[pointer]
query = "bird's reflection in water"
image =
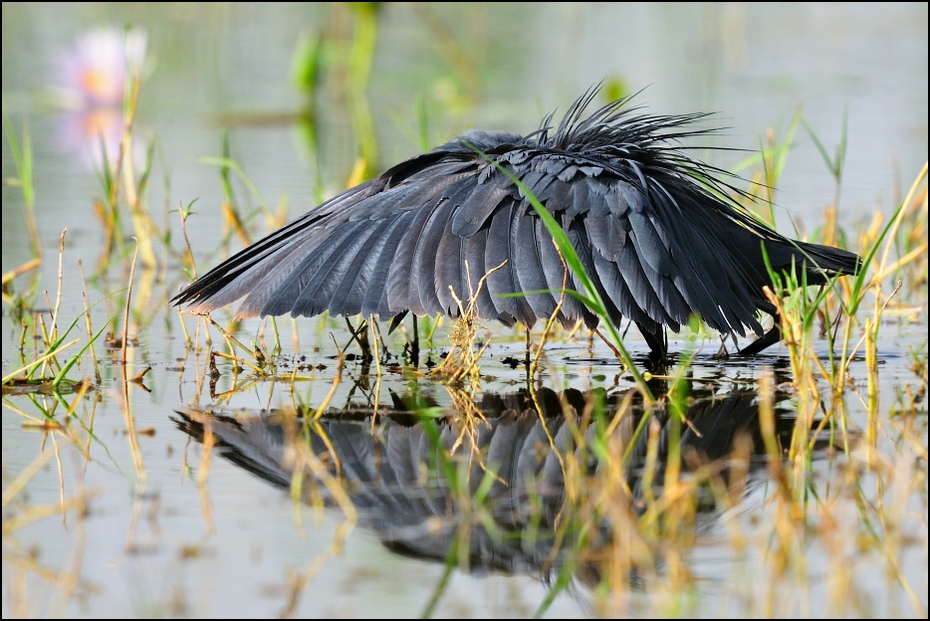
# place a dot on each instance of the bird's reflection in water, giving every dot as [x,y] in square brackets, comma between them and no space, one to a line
[521,489]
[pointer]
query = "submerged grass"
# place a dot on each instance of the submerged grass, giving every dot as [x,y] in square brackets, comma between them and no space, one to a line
[48,369]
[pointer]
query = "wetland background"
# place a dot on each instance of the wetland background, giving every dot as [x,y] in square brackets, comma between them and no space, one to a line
[154,478]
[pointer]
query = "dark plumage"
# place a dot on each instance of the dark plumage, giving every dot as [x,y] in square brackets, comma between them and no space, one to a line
[646,219]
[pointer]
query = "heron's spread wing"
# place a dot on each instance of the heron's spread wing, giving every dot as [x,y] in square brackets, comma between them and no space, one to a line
[421,237]
[448,227]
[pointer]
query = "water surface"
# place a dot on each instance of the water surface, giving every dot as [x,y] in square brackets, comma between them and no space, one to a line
[153,523]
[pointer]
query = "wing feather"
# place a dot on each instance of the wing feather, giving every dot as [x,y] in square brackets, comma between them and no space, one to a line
[363,274]
[402,289]
[294,295]
[531,278]
[375,301]
[475,253]
[502,282]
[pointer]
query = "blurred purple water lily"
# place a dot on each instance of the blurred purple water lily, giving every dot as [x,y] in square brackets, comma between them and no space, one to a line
[92,82]
[94,72]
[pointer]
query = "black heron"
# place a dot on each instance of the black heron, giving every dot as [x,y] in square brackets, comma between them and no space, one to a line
[653,227]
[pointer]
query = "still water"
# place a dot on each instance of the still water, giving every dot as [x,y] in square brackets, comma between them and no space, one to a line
[172,496]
